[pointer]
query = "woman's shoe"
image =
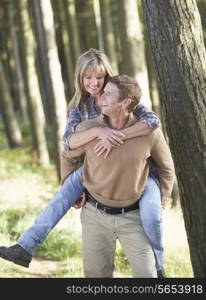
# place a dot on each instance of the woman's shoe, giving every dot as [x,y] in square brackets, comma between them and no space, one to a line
[16,254]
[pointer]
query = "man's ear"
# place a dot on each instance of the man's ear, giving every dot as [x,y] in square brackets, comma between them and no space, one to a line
[126,102]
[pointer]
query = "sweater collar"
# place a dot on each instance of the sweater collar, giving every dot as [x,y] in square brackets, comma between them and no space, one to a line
[103,119]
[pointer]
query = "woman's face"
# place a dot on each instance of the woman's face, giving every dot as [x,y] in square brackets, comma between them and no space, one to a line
[93,83]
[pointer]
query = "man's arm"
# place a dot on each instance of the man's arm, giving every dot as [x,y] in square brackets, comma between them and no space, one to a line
[162,156]
[69,162]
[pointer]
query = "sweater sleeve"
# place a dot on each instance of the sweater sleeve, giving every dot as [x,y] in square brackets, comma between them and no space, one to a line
[147,116]
[165,166]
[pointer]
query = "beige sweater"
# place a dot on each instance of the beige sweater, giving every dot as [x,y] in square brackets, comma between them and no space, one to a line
[120,179]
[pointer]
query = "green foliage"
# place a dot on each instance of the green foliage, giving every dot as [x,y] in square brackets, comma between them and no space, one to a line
[59,245]
[15,221]
[176,262]
[121,262]
[71,268]
[9,220]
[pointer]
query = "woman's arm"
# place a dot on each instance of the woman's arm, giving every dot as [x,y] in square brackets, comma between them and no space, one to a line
[74,118]
[137,129]
[147,122]
[103,133]
[72,140]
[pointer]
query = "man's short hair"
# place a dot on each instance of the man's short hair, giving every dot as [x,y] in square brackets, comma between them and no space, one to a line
[128,88]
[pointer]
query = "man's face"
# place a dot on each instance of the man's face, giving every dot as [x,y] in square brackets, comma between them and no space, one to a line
[110,99]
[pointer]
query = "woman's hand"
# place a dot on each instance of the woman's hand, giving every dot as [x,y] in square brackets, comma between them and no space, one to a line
[109,138]
[116,137]
[103,146]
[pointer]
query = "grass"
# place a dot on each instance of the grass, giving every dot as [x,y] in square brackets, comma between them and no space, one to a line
[60,245]
[25,190]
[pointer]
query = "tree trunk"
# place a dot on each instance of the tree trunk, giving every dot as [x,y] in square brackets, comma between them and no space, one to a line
[64,44]
[86,25]
[108,34]
[20,87]
[35,107]
[202,9]
[42,58]
[7,52]
[11,126]
[132,44]
[98,21]
[59,100]
[73,29]
[179,54]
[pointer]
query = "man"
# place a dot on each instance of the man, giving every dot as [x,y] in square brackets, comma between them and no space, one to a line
[115,184]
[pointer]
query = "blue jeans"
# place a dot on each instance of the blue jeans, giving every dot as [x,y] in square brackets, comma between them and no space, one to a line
[71,191]
[68,194]
[150,213]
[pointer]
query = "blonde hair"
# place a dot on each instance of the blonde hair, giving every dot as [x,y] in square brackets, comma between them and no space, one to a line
[89,61]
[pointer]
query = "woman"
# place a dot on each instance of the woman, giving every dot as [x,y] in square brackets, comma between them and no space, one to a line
[91,73]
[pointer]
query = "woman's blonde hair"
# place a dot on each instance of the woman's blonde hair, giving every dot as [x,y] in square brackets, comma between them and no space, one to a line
[89,61]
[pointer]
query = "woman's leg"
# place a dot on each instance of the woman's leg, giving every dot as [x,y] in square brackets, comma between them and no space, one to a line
[68,194]
[150,212]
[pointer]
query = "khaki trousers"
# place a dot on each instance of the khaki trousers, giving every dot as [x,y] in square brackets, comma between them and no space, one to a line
[99,234]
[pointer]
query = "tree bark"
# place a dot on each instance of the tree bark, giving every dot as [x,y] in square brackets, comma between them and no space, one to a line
[179,55]
[35,107]
[98,21]
[20,87]
[108,34]
[73,29]
[202,9]
[11,126]
[133,49]
[59,99]
[86,22]
[64,43]
[44,81]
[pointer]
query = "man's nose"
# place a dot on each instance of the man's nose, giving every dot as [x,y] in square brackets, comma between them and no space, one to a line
[102,98]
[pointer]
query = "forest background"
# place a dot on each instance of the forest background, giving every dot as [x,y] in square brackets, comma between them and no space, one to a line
[159,42]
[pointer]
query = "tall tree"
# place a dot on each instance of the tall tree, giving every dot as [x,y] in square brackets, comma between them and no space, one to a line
[35,106]
[73,28]
[98,21]
[7,51]
[59,99]
[202,9]
[67,45]
[180,59]
[20,87]
[44,80]
[132,45]
[86,23]
[11,126]
[108,34]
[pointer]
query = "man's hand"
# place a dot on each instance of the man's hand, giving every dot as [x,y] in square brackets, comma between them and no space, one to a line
[79,203]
